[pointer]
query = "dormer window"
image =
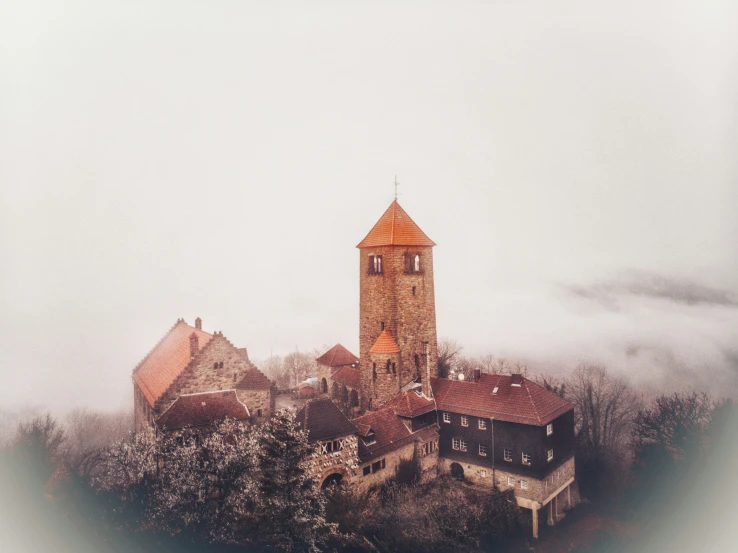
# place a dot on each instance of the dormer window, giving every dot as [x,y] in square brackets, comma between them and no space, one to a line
[369,439]
[375,265]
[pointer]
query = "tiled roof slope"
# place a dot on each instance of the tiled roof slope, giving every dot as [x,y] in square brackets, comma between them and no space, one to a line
[254,379]
[323,420]
[390,432]
[337,356]
[395,228]
[167,360]
[348,377]
[196,410]
[385,344]
[411,404]
[527,404]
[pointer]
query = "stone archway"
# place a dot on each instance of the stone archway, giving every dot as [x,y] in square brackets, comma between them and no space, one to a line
[332,479]
[324,386]
[457,471]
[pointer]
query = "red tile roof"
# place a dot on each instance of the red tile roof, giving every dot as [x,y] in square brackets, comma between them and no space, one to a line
[411,404]
[385,344]
[337,356]
[528,403]
[323,420]
[395,228]
[348,377]
[167,360]
[196,410]
[390,432]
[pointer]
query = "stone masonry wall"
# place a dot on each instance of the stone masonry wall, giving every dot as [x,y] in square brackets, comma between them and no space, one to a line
[538,489]
[202,376]
[344,462]
[143,414]
[409,317]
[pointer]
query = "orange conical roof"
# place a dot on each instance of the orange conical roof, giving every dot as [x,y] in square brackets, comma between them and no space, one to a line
[385,344]
[395,228]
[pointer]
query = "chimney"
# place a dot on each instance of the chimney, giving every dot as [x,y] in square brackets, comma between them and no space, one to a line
[477,375]
[198,323]
[194,346]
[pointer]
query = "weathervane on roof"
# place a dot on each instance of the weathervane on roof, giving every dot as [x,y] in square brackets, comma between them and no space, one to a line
[396,185]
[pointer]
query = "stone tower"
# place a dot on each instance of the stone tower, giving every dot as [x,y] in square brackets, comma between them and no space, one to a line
[397,312]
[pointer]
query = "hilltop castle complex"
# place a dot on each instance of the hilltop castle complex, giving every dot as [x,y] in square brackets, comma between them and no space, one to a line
[493,430]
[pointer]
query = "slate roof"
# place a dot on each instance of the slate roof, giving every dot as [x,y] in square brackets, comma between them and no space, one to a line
[167,360]
[395,228]
[385,344]
[323,420]
[348,377]
[390,432]
[337,356]
[528,403]
[203,409]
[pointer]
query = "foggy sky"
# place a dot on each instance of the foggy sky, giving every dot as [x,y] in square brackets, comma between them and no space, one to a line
[575,162]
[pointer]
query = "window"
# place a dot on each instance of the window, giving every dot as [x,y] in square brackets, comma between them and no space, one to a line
[550,455]
[375,264]
[495,390]
[394,370]
[389,364]
[259,412]
[417,361]
[416,264]
[526,459]
[378,465]
[464,420]
[220,365]
[524,484]
[369,439]
[482,424]
[483,473]
[447,417]
[483,450]
[510,481]
[413,290]
[459,444]
[549,429]
[367,470]
[381,325]
[215,365]
[508,455]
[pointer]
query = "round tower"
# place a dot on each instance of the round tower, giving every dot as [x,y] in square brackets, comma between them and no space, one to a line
[397,311]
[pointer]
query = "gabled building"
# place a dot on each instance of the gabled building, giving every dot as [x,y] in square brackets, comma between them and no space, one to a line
[188,360]
[508,432]
[339,376]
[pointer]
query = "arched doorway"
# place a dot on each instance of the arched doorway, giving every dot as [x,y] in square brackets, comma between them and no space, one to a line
[324,386]
[332,479]
[335,391]
[457,471]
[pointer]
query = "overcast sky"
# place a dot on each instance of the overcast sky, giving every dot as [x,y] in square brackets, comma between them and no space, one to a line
[575,162]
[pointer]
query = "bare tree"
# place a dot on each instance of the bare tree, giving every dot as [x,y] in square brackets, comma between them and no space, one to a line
[298,366]
[89,432]
[605,409]
[677,424]
[39,445]
[448,350]
[272,367]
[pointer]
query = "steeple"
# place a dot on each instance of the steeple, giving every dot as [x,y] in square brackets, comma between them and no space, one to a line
[395,228]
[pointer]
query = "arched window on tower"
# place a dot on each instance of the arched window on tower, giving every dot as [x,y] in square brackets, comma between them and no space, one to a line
[389,364]
[416,263]
[393,369]
[381,325]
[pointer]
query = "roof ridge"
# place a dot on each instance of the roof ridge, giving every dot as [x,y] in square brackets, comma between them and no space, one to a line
[533,403]
[194,359]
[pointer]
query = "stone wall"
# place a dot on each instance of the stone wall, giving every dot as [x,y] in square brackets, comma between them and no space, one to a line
[257,400]
[391,462]
[405,303]
[538,489]
[143,414]
[205,374]
[344,462]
